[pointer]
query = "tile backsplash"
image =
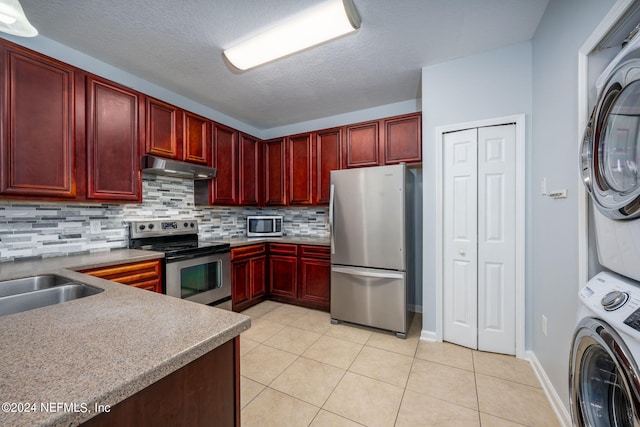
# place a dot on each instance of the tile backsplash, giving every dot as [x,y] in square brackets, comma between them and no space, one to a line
[38,230]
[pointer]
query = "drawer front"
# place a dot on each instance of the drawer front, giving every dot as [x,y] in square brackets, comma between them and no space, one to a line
[145,275]
[283,249]
[248,251]
[314,251]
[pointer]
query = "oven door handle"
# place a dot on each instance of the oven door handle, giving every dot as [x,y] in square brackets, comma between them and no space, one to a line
[184,257]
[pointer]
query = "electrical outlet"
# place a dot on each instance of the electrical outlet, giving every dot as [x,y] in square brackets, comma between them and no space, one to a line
[544,325]
[95,226]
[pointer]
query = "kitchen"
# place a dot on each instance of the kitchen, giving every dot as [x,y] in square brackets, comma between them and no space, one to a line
[544,59]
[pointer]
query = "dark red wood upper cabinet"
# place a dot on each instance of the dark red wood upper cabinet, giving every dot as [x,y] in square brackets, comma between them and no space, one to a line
[249,182]
[402,139]
[225,160]
[328,158]
[197,138]
[113,142]
[274,173]
[300,169]
[362,145]
[38,141]
[164,133]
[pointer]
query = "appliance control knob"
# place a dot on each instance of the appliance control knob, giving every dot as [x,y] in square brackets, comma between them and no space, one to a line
[142,227]
[192,225]
[614,300]
[186,224]
[150,226]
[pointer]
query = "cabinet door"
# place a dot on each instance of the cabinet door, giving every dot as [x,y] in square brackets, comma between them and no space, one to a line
[225,160]
[274,161]
[162,129]
[113,138]
[300,169]
[249,170]
[38,140]
[240,279]
[283,275]
[315,281]
[403,139]
[258,276]
[197,139]
[362,145]
[328,158]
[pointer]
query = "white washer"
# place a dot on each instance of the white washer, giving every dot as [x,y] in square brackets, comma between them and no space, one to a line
[604,380]
[611,162]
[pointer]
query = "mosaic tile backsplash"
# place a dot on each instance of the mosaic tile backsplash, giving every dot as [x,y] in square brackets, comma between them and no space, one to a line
[39,230]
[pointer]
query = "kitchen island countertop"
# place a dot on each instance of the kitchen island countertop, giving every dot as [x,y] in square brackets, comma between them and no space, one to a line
[96,351]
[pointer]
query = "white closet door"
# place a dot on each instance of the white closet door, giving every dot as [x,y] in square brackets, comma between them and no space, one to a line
[496,239]
[479,238]
[460,238]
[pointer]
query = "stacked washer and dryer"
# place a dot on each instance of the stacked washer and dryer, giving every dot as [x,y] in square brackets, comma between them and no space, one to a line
[604,380]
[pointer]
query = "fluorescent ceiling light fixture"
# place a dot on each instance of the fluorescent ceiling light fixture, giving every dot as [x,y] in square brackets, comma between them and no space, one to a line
[13,20]
[316,25]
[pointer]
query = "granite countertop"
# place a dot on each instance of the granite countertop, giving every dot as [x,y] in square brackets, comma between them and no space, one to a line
[296,240]
[100,349]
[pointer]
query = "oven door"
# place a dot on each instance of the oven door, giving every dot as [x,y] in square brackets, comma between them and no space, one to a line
[203,279]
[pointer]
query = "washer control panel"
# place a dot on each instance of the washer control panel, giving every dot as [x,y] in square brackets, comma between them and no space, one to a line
[614,299]
[633,321]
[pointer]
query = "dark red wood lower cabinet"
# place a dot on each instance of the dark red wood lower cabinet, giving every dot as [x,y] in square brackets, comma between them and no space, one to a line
[283,276]
[315,278]
[206,392]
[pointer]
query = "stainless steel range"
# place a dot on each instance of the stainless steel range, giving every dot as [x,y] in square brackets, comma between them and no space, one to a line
[195,270]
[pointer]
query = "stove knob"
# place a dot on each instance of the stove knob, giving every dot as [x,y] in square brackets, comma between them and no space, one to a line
[142,227]
[150,226]
[614,300]
[186,224]
[192,225]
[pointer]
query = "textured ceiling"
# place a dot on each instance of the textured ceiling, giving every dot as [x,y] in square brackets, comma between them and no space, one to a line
[178,44]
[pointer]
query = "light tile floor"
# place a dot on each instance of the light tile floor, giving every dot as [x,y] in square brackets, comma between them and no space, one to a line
[300,370]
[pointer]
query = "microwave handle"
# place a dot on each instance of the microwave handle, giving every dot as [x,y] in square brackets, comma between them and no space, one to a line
[331,224]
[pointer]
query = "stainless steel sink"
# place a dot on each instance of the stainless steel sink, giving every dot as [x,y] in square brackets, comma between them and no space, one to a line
[40,291]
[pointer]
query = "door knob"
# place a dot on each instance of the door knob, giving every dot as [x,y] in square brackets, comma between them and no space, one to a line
[462,252]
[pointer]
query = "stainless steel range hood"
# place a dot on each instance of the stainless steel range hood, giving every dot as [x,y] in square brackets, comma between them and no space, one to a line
[168,167]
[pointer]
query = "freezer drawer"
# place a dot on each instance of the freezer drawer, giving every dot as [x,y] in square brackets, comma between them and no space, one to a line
[370,297]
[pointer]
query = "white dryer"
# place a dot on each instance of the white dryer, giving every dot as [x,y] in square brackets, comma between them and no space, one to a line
[604,381]
[611,162]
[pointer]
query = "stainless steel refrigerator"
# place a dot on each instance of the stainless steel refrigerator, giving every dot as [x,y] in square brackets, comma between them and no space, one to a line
[371,216]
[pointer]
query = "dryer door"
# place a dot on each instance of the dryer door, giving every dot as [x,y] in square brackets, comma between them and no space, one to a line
[603,378]
[611,147]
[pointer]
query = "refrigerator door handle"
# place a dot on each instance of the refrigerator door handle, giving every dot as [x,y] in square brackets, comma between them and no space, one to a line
[331,230]
[368,273]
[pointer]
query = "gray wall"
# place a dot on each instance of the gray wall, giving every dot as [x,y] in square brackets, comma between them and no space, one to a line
[489,85]
[538,78]
[554,235]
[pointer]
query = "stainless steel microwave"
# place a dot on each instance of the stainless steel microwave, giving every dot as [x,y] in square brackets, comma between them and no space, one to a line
[264,226]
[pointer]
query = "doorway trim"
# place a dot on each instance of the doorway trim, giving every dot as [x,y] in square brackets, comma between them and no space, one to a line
[519,121]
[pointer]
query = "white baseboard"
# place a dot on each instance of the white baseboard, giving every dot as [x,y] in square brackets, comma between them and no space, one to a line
[556,403]
[428,335]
